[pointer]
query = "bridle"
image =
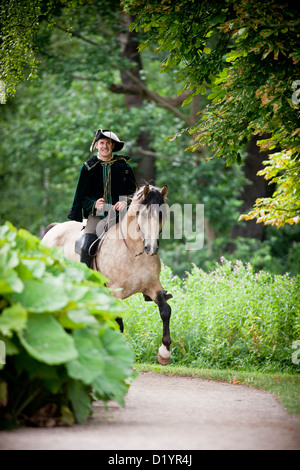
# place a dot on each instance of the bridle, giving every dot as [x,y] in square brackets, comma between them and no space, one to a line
[126,244]
[124,239]
[104,233]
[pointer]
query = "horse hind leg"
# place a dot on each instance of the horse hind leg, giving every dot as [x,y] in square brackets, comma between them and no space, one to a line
[121,324]
[164,353]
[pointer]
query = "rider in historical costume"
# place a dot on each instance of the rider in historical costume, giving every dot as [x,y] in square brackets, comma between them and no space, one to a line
[104,179]
[106,182]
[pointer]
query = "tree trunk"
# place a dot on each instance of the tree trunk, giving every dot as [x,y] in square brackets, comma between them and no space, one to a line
[144,153]
[209,231]
[257,187]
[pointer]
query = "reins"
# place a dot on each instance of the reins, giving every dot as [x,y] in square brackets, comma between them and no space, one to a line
[102,238]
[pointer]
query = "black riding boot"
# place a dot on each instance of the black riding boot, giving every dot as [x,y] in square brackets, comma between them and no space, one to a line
[85,255]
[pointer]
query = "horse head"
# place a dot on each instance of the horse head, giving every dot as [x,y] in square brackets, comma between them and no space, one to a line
[150,212]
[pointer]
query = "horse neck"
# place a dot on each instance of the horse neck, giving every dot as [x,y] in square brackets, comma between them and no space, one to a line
[130,231]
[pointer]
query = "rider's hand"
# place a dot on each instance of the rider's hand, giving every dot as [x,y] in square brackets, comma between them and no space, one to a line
[120,206]
[99,203]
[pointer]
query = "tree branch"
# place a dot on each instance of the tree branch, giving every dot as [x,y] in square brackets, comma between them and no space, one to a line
[132,90]
[77,35]
[153,96]
[143,90]
[91,79]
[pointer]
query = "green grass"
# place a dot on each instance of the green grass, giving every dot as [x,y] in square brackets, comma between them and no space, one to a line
[230,318]
[284,386]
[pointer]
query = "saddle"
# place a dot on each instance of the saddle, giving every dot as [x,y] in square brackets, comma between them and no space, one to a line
[79,241]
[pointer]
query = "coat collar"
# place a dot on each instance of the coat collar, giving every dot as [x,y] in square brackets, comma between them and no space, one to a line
[94,160]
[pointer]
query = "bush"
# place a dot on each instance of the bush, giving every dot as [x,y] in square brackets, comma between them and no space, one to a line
[57,325]
[230,317]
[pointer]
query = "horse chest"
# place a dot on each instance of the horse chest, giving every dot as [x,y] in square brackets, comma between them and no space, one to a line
[130,274]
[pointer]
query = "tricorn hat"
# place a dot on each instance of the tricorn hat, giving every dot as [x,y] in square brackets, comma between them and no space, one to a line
[107,134]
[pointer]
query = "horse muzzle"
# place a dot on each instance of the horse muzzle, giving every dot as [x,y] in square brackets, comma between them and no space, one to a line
[150,250]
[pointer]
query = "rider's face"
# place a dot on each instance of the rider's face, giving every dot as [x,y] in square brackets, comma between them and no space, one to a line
[105,148]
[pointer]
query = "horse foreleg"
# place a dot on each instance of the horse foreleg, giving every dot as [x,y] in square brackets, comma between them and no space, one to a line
[164,353]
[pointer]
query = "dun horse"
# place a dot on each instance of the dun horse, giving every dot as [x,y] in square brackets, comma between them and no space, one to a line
[128,253]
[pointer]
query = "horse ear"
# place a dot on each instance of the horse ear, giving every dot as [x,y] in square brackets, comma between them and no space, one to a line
[146,190]
[164,191]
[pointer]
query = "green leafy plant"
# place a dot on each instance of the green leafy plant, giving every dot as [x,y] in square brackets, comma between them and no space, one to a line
[62,346]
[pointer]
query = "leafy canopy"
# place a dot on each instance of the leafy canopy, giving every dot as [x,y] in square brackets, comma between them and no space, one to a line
[246,53]
[20,22]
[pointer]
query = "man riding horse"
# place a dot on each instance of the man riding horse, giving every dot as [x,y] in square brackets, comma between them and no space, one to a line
[105,185]
[103,180]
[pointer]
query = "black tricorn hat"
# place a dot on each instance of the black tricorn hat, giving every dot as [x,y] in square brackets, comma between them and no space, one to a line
[107,134]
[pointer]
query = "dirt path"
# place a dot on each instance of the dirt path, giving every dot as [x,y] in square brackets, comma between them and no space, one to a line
[173,413]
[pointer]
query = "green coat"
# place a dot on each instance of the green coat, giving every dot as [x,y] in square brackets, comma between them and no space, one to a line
[97,179]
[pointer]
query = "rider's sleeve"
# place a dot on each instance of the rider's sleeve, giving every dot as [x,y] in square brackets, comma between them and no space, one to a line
[75,213]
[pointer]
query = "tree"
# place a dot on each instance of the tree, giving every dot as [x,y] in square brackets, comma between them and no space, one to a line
[103,28]
[84,78]
[247,54]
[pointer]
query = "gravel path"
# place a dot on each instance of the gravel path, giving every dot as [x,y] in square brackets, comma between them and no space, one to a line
[166,412]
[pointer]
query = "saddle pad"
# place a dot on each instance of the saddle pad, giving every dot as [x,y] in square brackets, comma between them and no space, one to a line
[78,242]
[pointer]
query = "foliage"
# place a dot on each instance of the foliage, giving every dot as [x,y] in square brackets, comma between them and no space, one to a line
[282,168]
[46,134]
[231,317]
[47,128]
[57,323]
[20,23]
[247,54]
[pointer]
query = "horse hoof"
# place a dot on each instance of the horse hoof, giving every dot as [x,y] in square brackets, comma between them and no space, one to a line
[163,355]
[164,361]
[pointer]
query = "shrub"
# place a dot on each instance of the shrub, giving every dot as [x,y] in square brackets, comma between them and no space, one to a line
[229,317]
[57,325]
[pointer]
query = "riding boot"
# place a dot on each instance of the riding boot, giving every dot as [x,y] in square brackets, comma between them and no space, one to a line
[166,296]
[86,256]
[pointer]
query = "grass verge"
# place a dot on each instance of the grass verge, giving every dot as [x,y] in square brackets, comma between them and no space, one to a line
[286,387]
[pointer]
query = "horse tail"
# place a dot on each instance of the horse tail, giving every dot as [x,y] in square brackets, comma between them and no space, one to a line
[49,227]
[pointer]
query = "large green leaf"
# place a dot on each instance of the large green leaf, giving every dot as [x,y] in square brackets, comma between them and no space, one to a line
[10,282]
[12,319]
[45,295]
[117,349]
[11,348]
[90,360]
[8,258]
[45,340]
[104,362]
[74,319]
[53,377]
[110,383]
[80,399]
[32,268]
